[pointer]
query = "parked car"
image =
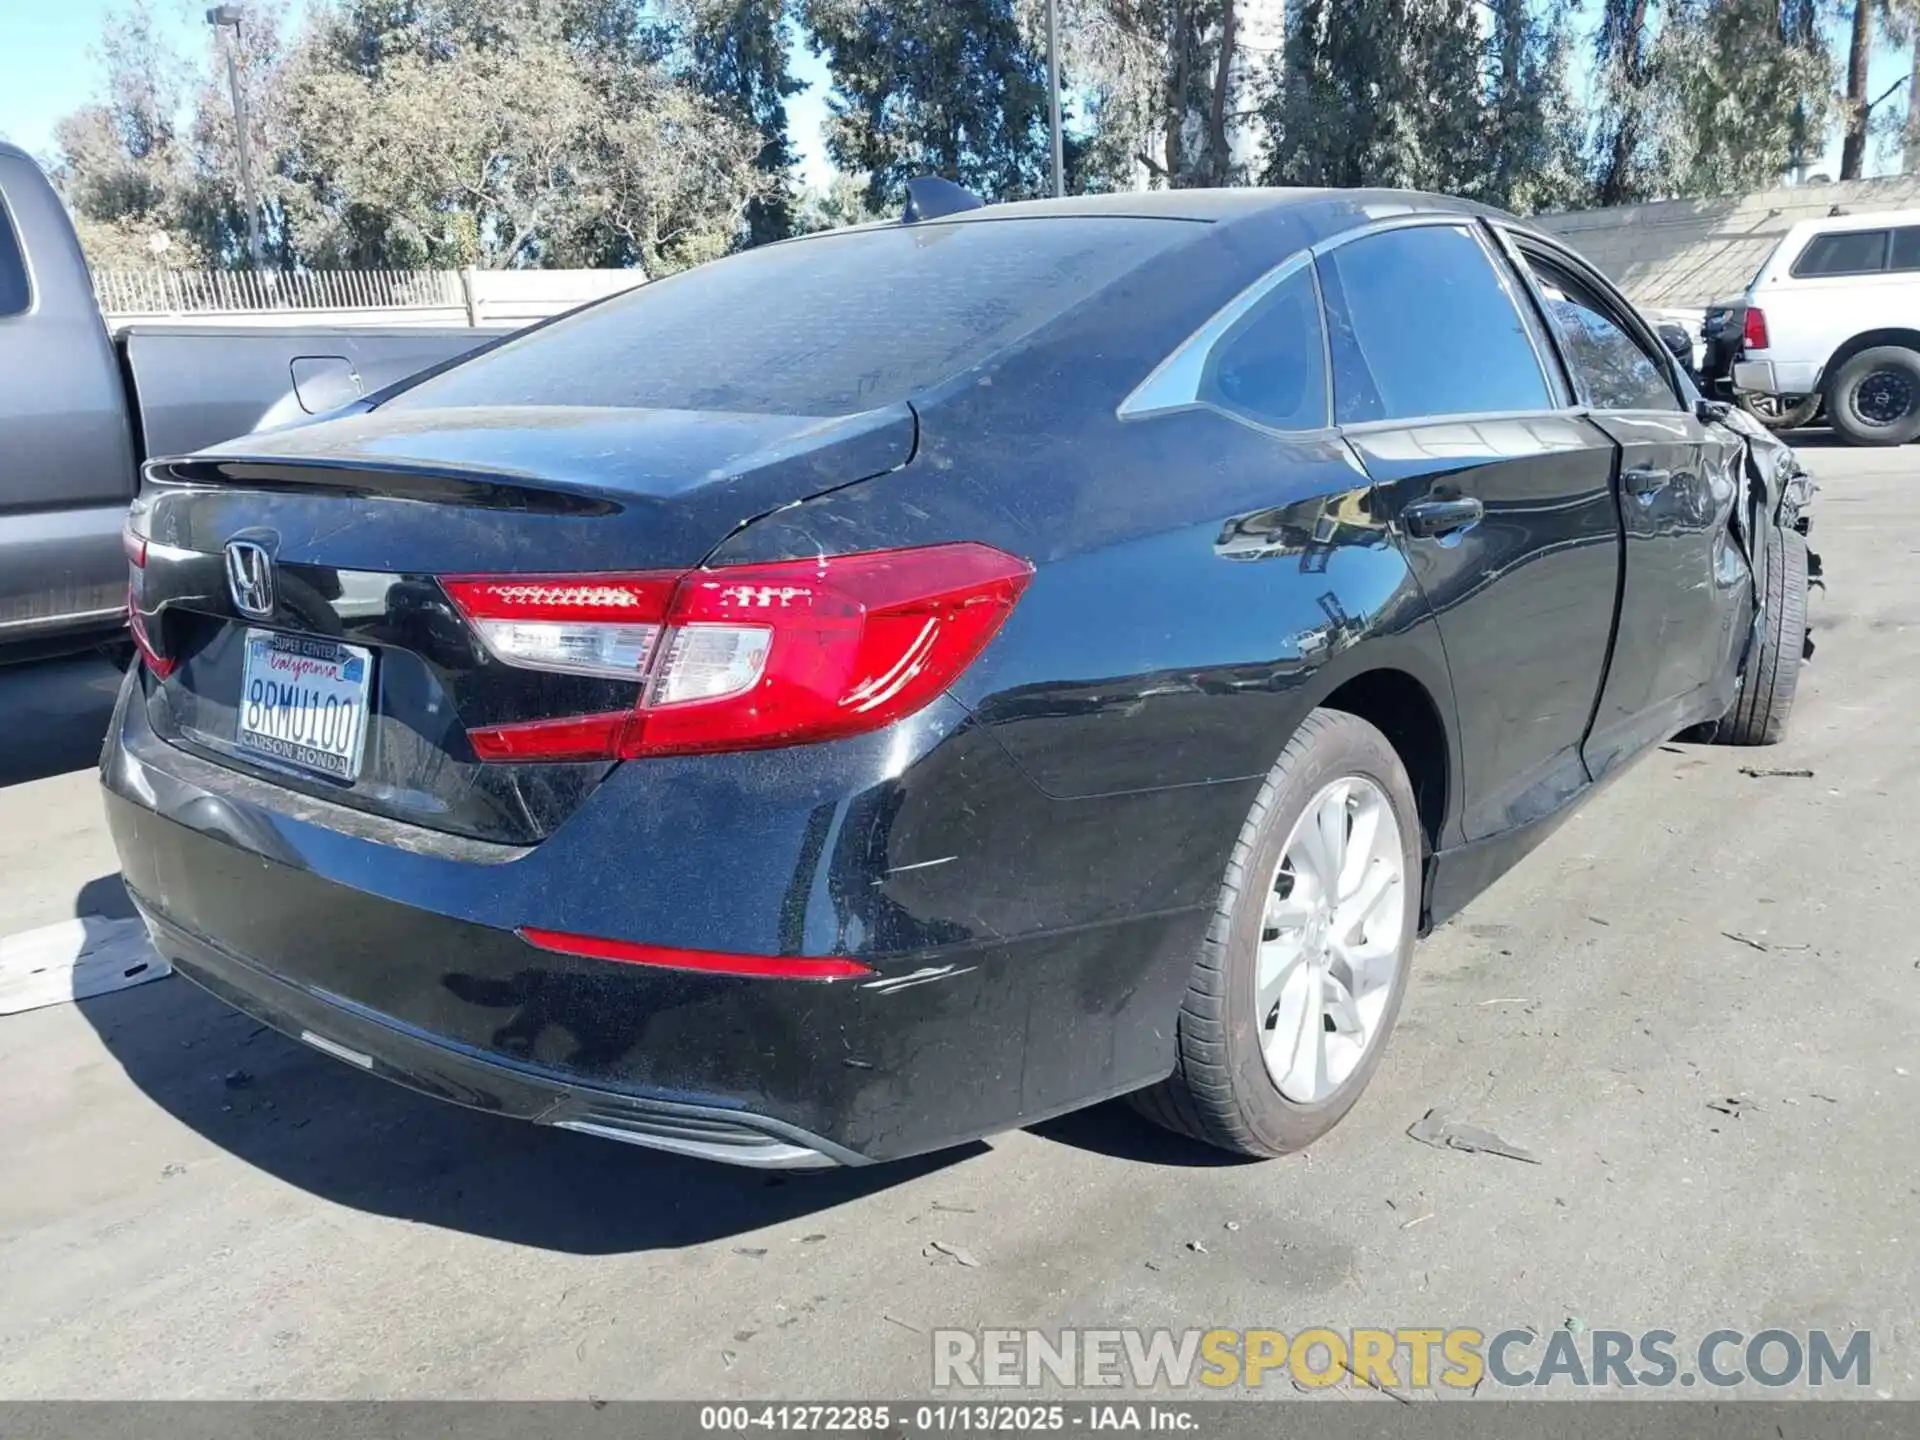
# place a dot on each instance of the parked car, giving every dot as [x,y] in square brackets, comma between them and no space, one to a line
[1832,321]
[1054,651]
[81,408]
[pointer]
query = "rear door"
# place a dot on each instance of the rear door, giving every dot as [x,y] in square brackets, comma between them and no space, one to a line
[1683,601]
[1501,493]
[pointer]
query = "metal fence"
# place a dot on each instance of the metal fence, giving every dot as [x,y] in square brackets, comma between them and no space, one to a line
[200,292]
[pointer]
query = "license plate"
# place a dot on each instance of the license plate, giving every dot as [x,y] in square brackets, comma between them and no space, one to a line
[303,701]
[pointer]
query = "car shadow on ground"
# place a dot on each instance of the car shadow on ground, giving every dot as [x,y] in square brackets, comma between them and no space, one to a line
[1117,1130]
[361,1142]
[53,716]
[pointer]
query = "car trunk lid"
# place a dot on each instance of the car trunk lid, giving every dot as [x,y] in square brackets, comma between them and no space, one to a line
[354,522]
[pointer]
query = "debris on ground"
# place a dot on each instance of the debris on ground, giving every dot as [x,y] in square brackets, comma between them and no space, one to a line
[813,1239]
[903,1324]
[1573,1324]
[1418,1220]
[75,960]
[1598,921]
[1734,1105]
[1508,999]
[171,1169]
[1818,1096]
[951,1209]
[1438,1129]
[752,1252]
[1751,944]
[952,1252]
[1233,1224]
[238,1079]
[1196,1247]
[1759,774]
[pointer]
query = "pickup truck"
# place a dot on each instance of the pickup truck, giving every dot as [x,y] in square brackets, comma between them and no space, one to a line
[81,407]
[1831,321]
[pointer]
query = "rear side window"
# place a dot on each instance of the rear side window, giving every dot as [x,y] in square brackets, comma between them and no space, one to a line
[1420,325]
[1612,369]
[824,326]
[1845,252]
[15,292]
[1906,248]
[1271,367]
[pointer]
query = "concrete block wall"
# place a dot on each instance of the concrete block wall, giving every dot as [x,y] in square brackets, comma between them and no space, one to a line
[1686,253]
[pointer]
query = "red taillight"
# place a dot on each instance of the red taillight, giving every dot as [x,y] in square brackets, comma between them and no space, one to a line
[156,662]
[1754,333]
[135,547]
[744,656]
[627,952]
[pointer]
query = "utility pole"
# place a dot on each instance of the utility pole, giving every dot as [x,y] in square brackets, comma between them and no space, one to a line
[227,17]
[1053,98]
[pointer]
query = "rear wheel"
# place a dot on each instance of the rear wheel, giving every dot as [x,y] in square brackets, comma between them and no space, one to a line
[1300,976]
[1759,716]
[1875,397]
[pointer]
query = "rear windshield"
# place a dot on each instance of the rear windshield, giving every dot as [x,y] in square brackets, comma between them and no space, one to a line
[825,326]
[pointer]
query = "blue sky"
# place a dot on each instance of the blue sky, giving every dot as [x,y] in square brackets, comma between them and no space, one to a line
[47,68]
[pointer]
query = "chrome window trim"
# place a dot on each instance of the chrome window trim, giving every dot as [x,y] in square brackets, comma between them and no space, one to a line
[1174,384]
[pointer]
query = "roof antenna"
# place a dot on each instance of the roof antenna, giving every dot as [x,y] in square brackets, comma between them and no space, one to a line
[930,197]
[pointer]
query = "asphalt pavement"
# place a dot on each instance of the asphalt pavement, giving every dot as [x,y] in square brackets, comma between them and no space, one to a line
[191,1206]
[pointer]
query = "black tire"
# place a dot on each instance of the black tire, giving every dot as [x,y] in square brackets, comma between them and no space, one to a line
[1780,412]
[1759,716]
[1220,1091]
[1874,398]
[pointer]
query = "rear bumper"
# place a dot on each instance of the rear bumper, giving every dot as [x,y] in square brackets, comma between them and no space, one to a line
[395,948]
[382,1046]
[1776,377]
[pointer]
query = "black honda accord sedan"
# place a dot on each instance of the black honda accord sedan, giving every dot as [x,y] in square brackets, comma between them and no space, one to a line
[888,687]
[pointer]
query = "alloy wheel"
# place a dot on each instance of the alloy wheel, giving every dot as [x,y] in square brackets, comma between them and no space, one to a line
[1332,939]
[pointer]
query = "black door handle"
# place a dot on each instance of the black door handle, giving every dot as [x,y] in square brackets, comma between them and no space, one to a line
[1643,482]
[1432,518]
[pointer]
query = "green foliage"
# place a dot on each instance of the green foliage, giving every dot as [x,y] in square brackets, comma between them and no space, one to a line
[1379,92]
[933,87]
[740,62]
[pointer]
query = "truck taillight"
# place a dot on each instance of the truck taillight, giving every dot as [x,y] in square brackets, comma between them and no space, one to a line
[1754,335]
[745,656]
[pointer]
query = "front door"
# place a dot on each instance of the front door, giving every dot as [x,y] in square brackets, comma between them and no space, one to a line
[1682,605]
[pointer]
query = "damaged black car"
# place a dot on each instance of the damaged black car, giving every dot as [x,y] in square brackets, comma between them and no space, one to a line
[895,685]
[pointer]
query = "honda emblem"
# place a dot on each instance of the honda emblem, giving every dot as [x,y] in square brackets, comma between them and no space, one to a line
[250,579]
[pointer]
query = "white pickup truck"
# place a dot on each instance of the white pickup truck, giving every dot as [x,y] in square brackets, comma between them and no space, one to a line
[1833,320]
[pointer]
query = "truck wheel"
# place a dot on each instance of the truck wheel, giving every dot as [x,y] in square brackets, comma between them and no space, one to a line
[1779,412]
[1874,399]
[1759,716]
[1299,979]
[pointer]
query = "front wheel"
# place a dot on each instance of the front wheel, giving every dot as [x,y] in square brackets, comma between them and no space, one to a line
[1779,412]
[1300,976]
[1759,716]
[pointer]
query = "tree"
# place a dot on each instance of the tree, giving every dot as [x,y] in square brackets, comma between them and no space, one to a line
[1631,163]
[1532,127]
[457,132]
[122,163]
[1379,92]
[942,87]
[1753,81]
[740,62]
[1853,147]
